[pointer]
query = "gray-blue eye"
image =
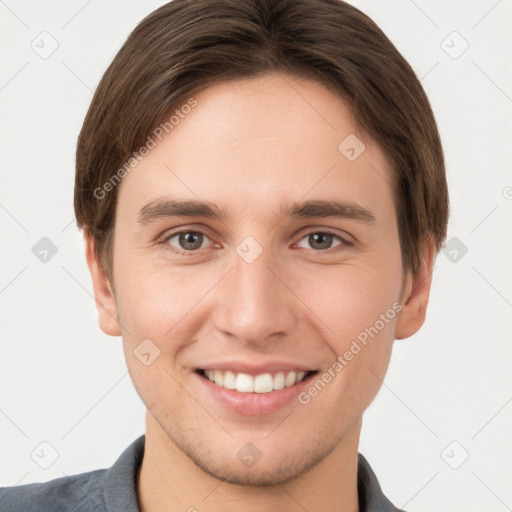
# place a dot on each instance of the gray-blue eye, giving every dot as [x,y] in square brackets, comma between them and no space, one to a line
[188,240]
[322,240]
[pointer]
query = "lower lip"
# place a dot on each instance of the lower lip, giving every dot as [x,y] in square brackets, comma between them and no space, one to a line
[254,404]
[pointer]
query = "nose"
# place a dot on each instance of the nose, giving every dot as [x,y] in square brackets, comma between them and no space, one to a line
[256,303]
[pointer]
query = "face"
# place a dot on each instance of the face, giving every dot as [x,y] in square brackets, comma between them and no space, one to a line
[283,285]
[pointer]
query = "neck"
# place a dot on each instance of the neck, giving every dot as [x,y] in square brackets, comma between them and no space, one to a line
[170,481]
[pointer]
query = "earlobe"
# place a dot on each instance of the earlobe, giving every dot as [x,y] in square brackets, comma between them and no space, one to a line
[103,293]
[416,295]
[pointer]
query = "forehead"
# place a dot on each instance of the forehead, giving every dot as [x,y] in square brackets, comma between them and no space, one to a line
[260,143]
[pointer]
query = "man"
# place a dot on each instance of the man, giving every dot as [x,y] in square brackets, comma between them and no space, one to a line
[262,191]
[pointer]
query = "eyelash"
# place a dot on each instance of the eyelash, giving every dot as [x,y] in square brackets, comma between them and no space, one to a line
[344,241]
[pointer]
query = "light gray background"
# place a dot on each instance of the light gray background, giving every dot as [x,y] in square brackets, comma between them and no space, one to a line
[65,382]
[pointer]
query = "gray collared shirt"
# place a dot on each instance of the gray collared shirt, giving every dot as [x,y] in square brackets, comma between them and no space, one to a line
[114,489]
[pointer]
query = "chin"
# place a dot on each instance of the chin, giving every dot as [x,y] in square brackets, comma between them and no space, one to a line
[276,464]
[262,474]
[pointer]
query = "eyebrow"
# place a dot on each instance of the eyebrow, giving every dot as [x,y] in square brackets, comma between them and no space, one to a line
[165,208]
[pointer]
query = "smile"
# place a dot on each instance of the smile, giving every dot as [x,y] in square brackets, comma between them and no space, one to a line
[262,383]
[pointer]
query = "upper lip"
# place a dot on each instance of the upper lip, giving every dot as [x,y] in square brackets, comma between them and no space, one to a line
[256,368]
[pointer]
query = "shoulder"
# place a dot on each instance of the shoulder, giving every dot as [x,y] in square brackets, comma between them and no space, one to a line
[76,493]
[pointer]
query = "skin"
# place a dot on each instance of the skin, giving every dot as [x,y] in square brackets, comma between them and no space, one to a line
[249,146]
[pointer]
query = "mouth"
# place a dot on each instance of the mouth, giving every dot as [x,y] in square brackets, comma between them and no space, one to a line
[262,383]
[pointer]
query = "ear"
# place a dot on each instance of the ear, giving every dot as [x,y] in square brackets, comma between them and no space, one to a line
[103,294]
[416,294]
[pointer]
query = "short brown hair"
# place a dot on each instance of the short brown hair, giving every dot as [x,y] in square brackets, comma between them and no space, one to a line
[186,46]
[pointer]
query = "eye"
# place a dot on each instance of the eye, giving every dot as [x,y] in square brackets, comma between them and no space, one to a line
[322,240]
[186,242]
[189,241]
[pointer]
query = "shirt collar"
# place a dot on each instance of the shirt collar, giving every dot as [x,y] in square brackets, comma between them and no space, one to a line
[371,497]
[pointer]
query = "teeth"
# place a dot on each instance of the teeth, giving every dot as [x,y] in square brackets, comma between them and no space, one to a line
[263,383]
[244,383]
[290,379]
[218,378]
[279,381]
[229,380]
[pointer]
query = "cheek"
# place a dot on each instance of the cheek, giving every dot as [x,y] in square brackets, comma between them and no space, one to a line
[153,305]
[153,298]
[363,319]
[350,299]
[357,310]
[169,307]
[143,309]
